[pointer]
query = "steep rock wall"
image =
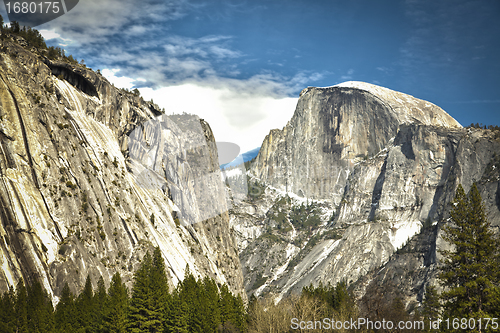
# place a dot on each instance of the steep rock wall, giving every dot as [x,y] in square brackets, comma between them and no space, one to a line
[473,156]
[71,204]
[389,164]
[332,129]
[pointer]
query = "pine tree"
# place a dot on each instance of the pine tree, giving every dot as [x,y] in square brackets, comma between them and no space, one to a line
[469,272]
[233,314]
[14,27]
[40,310]
[189,292]
[65,315]
[21,307]
[431,307]
[7,313]
[209,306]
[100,306]
[177,318]
[85,306]
[150,302]
[241,317]
[140,296]
[139,309]
[116,319]
[340,295]
[226,306]
[160,298]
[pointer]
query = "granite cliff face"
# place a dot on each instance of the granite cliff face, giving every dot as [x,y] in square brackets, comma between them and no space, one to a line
[93,176]
[332,129]
[386,165]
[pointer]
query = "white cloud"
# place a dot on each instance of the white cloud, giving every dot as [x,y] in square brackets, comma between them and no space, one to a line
[238,111]
[52,34]
[204,47]
[119,81]
[244,119]
[49,34]
[136,30]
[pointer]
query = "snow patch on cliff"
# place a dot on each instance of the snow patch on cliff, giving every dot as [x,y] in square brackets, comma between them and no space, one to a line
[402,231]
[231,173]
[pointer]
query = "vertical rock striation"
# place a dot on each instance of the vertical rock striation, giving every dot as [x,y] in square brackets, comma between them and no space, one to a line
[71,198]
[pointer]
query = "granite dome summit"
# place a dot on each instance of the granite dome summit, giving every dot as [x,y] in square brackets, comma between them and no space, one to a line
[408,108]
[339,125]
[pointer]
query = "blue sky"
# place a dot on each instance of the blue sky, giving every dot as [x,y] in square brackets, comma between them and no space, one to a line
[241,64]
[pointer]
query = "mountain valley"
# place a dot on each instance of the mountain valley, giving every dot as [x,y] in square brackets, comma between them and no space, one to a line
[356,187]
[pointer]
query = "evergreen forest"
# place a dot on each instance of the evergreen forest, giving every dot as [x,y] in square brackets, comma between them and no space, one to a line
[196,305]
[468,276]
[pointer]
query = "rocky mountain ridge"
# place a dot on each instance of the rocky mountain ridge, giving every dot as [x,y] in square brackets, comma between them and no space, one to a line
[355,187]
[386,165]
[75,198]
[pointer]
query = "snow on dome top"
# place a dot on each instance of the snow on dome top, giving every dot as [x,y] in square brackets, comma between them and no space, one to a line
[355,84]
[374,89]
[408,108]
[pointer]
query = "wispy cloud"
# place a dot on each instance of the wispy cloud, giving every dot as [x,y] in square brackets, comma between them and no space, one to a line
[96,21]
[226,10]
[383,69]
[178,46]
[348,76]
